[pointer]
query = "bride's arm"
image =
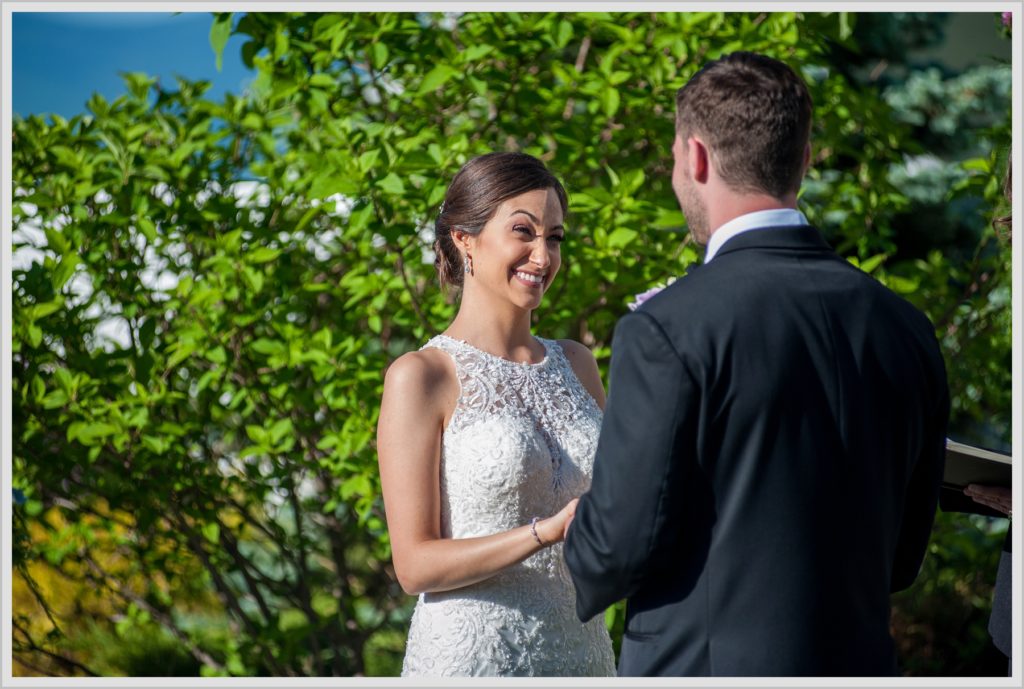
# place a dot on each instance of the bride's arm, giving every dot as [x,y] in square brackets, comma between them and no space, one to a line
[418,388]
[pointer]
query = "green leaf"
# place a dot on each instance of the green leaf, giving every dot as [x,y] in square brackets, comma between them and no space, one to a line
[293,618]
[902,285]
[182,350]
[870,264]
[147,333]
[264,254]
[38,389]
[845,27]
[65,380]
[156,444]
[609,101]
[325,604]
[147,228]
[55,400]
[436,78]
[281,43]
[279,429]
[253,121]
[323,81]
[219,34]
[368,159]
[211,532]
[475,52]
[56,240]
[360,219]
[392,184]
[621,237]
[564,33]
[380,54]
[63,271]
[268,347]
[254,278]
[257,434]
[44,310]
[92,433]
[977,165]
[35,335]
[667,218]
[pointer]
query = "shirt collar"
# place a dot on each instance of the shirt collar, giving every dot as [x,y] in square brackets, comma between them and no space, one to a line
[776,217]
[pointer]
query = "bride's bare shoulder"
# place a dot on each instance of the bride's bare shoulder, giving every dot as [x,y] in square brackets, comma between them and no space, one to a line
[584,365]
[425,374]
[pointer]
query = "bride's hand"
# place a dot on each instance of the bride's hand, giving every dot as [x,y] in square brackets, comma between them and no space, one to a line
[553,529]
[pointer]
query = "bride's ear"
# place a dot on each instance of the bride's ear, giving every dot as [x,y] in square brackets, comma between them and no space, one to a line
[463,240]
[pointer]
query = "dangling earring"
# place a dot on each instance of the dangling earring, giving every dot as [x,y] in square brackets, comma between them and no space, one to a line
[469,265]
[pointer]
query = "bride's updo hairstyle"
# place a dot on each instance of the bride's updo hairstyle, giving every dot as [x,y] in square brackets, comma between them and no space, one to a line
[473,197]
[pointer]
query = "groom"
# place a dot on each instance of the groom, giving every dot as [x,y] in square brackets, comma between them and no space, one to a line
[770,458]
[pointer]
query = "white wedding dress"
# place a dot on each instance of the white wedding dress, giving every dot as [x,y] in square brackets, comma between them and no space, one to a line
[520,444]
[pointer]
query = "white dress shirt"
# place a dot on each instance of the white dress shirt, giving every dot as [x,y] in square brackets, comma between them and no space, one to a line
[758,220]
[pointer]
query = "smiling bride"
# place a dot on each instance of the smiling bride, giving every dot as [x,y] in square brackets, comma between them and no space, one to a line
[486,439]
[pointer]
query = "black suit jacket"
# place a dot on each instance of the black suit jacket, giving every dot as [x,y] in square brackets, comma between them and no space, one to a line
[768,467]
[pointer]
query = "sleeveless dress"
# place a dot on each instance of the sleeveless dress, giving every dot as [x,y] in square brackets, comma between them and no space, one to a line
[520,444]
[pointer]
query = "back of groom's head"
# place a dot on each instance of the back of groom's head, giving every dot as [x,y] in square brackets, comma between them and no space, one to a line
[754,115]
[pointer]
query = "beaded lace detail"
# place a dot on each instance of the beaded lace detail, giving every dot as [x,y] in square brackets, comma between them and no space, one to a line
[520,443]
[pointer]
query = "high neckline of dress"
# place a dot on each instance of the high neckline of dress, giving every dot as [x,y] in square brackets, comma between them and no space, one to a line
[522,364]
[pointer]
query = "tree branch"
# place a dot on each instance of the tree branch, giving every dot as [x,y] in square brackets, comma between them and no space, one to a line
[581,59]
[228,596]
[400,264]
[130,596]
[63,660]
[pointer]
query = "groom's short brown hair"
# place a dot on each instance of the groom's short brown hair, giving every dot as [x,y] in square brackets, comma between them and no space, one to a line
[754,115]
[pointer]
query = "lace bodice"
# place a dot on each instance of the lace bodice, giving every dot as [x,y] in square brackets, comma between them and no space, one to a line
[520,443]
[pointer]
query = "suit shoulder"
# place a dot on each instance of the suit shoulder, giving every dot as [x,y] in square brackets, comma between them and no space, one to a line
[900,303]
[686,294]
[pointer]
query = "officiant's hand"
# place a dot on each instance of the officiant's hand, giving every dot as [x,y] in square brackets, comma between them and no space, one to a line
[553,529]
[996,497]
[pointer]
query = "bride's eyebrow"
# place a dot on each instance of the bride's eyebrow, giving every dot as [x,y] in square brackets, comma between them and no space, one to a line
[526,213]
[534,218]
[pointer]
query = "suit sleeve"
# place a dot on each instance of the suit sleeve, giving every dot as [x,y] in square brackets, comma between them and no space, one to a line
[922,495]
[623,523]
[954,500]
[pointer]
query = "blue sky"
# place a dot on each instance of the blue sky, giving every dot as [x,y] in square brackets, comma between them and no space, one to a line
[61,58]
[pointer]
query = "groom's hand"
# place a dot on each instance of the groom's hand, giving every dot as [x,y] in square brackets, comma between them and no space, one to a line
[996,497]
[568,521]
[553,529]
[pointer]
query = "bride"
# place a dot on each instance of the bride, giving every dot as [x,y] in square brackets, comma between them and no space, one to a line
[486,438]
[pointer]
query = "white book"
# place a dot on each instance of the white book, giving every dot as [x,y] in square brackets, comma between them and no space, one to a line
[966,464]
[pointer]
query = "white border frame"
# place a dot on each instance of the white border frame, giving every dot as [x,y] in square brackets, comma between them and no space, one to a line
[6,91]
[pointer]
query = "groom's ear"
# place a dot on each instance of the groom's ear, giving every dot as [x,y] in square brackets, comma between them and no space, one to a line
[807,159]
[698,159]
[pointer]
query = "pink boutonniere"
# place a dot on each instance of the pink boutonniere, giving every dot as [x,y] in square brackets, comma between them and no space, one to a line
[644,296]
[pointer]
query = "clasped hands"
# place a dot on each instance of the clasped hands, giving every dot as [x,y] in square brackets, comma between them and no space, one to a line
[555,528]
